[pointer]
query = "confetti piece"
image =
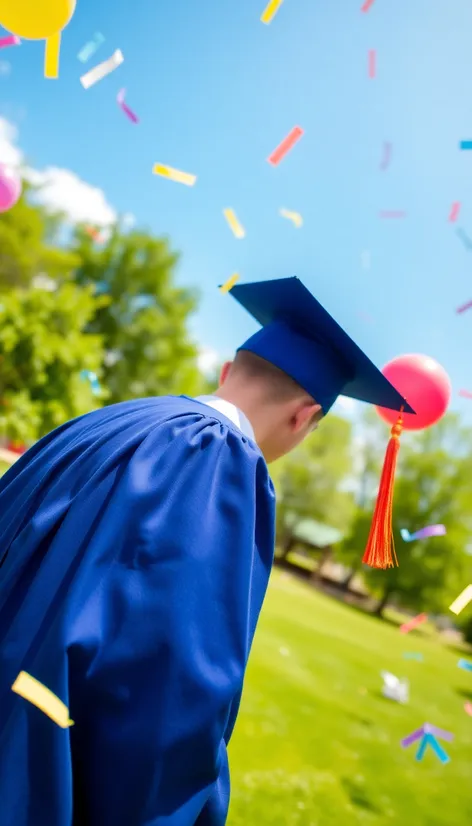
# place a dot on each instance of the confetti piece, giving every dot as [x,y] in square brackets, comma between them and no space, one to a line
[51,56]
[466,665]
[465,145]
[229,284]
[413,737]
[386,156]
[464,237]
[120,99]
[36,693]
[91,47]
[270,11]
[372,63]
[102,70]
[438,732]
[430,740]
[413,655]
[91,377]
[462,600]
[174,174]
[464,307]
[424,533]
[392,213]
[453,215]
[409,626]
[11,40]
[468,708]
[287,144]
[236,228]
[295,217]
[367,5]
[466,394]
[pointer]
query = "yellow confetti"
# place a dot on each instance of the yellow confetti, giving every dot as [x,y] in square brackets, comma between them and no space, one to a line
[295,217]
[270,11]
[462,600]
[174,174]
[236,227]
[225,288]
[36,693]
[51,56]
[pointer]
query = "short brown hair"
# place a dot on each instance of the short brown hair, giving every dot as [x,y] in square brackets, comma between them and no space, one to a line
[277,384]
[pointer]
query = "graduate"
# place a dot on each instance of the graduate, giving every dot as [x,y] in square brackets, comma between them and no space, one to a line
[136,544]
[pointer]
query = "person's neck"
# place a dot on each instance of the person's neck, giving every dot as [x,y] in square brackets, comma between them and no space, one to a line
[252,409]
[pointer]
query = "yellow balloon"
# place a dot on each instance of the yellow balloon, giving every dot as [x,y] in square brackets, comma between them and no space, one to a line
[33,19]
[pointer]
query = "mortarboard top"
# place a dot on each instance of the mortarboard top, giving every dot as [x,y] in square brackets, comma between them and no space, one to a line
[301,338]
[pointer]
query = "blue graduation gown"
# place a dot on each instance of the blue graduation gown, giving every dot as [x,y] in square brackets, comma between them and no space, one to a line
[135,545]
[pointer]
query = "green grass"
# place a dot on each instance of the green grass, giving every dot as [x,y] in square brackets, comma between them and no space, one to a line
[316,744]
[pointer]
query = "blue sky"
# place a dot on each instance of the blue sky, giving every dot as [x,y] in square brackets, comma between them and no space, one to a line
[216,91]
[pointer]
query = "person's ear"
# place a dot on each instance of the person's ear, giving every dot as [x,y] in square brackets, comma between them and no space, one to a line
[305,413]
[224,371]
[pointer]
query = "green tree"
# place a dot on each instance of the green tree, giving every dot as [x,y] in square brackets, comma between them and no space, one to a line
[312,480]
[432,486]
[43,349]
[28,245]
[144,327]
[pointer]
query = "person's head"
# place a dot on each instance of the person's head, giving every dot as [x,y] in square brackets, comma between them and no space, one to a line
[280,411]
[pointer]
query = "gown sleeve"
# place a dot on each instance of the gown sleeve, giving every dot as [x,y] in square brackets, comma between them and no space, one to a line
[158,649]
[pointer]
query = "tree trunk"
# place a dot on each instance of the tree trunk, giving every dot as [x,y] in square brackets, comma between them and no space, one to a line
[326,554]
[287,545]
[383,602]
[347,582]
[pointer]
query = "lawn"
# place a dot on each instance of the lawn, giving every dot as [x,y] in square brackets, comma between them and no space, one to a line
[316,744]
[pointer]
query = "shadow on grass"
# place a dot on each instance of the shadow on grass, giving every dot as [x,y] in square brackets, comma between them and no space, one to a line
[358,796]
[465,693]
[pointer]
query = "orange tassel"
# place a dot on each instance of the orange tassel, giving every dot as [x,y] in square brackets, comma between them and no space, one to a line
[380,549]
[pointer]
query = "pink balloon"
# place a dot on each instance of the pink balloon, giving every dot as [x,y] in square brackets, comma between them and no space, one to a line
[425,385]
[10,188]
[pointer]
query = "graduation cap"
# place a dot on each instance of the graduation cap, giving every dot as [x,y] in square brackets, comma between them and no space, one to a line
[304,341]
[301,338]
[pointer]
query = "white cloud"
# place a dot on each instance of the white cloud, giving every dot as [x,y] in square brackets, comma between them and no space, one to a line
[208,360]
[345,406]
[61,189]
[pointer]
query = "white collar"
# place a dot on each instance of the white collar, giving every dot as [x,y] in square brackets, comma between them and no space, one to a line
[231,412]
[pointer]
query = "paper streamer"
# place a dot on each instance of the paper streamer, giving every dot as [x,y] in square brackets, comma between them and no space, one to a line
[229,284]
[386,156]
[466,665]
[51,56]
[294,217]
[461,601]
[36,693]
[465,145]
[120,99]
[409,626]
[102,70]
[367,5]
[236,228]
[270,11]
[454,213]
[91,47]
[174,174]
[424,533]
[11,40]
[464,307]
[287,144]
[372,68]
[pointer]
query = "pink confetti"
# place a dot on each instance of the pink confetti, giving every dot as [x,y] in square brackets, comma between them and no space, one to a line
[287,144]
[120,99]
[372,63]
[468,708]
[367,5]
[464,307]
[454,211]
[466,394]
[11,40]
[408,626]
